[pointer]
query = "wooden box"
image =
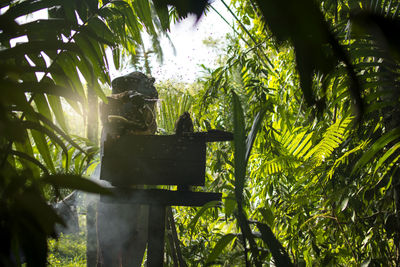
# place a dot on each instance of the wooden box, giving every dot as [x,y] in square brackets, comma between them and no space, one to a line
[157,159]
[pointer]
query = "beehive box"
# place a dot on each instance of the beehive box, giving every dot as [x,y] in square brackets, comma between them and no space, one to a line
[157,159]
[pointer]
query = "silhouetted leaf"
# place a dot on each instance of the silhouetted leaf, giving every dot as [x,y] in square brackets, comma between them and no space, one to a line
[163,14]
[29,158]
[253,132]
[239,136]
[41,143]
[75,182]
[278,252]
[56,107]
[184,7]
[36,47]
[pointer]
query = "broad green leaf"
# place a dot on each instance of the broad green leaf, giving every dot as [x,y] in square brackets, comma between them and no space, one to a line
[40,140]
[387,154]
[101,54]
[35,47]
[35,207]
[376,147]
[278,252]
[69,63]
[343,204]
[29,158]
[46,88]
[99,92]
[10,68]
[163,15]
[57,130]
[116,57]
[68,8]
[44,29]
[268,215]
[42,106]
[253,132]
[200,212]
[41,143]
[221,244]
[229,204]
[91,51]
[56,107]
[142,9]
[25,147]
[129,19]
[28,7]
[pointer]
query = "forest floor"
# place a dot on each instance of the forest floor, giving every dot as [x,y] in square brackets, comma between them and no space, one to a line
[69,250]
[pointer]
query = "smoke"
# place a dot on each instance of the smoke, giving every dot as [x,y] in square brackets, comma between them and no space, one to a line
[116,232]
[75,204]
[67,210]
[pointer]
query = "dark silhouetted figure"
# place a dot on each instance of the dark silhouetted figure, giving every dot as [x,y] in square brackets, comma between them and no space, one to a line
[184,125]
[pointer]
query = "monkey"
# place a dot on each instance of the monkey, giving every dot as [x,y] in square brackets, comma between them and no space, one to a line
[184,125]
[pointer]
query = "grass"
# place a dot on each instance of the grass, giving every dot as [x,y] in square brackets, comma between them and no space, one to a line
[69,250]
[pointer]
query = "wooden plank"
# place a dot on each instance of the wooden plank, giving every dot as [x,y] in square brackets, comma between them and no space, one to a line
[149,159]
[91,237]
[213,136]
[160,197]
[155,247]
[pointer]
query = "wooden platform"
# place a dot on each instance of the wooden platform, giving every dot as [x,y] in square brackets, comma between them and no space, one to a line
[158,200]
[157,159]
[160,197]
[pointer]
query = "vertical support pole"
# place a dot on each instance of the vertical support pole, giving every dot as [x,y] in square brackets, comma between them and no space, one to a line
[91,241]
[155,248]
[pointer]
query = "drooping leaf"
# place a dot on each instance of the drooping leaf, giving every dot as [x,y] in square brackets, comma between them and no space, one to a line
[279,254]
[41,143]
[376,147]
[75,182]
[163,15]
[387,154]
[343,204]
[239,136]
[40,140]
[28,7]
[35,47]
[253,132]
[24,146]
[200,212]
[42,106]
[29,158]
[142,9]
[56,107]
[222,243]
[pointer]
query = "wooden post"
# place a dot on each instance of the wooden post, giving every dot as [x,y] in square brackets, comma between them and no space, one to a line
[155,248]
[91,239]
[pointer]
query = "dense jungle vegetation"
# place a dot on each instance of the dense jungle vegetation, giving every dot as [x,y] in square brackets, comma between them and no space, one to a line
[309,88]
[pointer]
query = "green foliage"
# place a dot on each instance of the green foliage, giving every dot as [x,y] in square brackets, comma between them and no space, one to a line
[322,173]
[68,250]
[52,53]
[310,90]
[175,99]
